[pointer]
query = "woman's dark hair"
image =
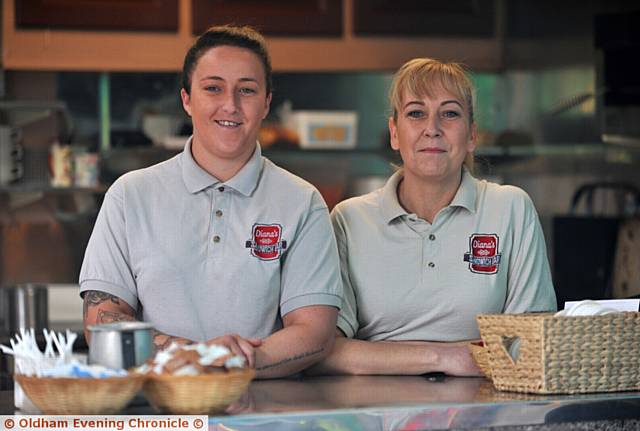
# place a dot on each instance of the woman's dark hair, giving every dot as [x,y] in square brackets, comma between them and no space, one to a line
[226,35]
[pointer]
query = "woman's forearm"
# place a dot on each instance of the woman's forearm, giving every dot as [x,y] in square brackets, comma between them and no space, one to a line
[289,351]
[360,357]
[307,337]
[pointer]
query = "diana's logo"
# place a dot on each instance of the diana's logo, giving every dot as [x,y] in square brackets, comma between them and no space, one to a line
[266,242]
[483,257]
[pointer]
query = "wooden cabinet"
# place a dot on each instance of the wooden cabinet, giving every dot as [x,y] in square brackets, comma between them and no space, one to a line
[338,35]
[139,15]
[272,18]
[460,18]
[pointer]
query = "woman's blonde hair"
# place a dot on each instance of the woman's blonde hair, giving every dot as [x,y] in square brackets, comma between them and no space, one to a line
[423,77]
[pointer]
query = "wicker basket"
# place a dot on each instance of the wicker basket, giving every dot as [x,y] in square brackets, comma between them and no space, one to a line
[480,355]
[80,396]
[569,355]
[197,395]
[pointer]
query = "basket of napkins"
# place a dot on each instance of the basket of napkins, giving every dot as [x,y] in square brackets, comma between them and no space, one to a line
[587,348]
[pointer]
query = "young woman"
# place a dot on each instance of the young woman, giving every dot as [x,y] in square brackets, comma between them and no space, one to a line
[218,244]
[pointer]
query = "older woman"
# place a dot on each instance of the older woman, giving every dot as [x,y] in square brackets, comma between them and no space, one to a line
[421,257]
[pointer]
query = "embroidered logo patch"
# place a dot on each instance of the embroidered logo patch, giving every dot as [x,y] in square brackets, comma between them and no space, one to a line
[266,241]
[483,257]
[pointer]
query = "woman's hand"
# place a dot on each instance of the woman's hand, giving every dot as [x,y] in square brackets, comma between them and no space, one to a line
[239,346]
[455,359]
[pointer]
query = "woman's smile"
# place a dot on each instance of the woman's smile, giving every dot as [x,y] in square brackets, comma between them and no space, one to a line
[228,124]
[432,150]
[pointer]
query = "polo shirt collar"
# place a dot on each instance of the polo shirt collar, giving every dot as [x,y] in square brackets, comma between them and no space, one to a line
[197,179]
[466,195]
[391,209]
[246,180]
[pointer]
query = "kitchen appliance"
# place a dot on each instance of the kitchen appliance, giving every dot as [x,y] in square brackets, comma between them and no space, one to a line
[325,129]
[11,152]
[120,344]
[24,306]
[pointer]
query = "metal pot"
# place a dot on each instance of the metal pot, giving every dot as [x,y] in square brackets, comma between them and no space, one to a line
[121,344]
[24,306]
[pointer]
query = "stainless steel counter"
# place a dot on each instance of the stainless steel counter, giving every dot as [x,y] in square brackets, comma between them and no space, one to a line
[389,403]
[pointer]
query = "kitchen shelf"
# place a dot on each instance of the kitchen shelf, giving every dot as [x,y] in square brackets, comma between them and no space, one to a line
[378,161]
[588,149]
[357,161]
[312,155]
[607,152]
[550,150]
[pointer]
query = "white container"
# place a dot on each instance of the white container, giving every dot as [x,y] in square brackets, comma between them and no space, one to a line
[325,129]
[86,172]
[61,165]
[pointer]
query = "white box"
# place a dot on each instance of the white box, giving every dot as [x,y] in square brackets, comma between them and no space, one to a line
[325,129]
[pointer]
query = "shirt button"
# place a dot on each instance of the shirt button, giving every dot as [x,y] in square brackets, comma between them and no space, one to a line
[432,237]
[218,213]
[216,239]
[221,189]
[431,265]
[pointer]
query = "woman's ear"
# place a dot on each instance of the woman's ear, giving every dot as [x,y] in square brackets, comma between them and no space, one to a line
[472,143]
[186,101]
[267,105]
[393,133]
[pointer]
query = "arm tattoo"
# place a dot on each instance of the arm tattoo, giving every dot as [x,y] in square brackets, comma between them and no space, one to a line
[161,340]
[95,297]
[291,359]
[113,316]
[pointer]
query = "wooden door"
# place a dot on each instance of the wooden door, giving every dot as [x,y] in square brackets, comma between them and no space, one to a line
[127,15]
[273,17]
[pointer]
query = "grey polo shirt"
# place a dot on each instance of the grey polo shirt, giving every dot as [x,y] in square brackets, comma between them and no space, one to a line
[407,279]
[200,258]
